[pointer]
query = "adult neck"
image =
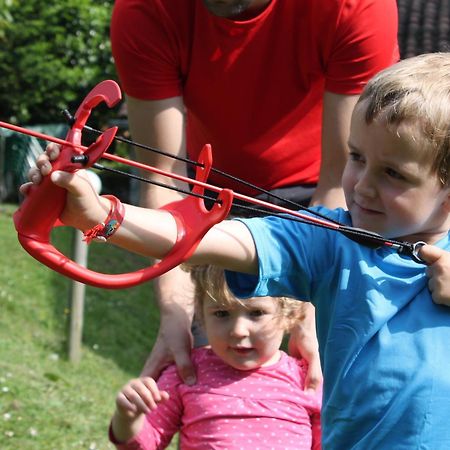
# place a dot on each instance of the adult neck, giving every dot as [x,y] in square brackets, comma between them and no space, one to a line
[238,10]
[255,8]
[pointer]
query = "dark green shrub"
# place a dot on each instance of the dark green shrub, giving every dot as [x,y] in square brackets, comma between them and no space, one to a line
[52,53]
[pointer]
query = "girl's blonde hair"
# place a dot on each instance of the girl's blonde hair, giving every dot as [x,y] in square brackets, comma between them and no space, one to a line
[416,92]
[210,281]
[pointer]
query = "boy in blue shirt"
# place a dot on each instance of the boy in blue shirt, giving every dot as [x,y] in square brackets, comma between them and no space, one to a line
[383,341]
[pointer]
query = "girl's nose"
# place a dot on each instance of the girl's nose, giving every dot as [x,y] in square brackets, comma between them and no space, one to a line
[240,328]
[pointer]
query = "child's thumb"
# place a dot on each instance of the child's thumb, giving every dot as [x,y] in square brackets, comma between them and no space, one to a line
[67,180]
[430,253]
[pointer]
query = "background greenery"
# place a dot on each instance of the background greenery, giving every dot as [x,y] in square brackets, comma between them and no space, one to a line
[46,402]
[52,54]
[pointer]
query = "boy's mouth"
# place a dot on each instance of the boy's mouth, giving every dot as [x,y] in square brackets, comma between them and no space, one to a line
[365,210]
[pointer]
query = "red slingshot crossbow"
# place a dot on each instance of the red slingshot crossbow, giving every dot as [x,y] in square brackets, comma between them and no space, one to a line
[40,211]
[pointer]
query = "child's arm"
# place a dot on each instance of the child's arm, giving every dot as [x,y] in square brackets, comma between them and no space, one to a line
[438,272]
[137,398]
[145,231]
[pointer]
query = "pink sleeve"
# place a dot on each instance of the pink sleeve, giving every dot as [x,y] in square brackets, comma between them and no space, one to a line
[316,432]
[365,43]
[145,440]
[162,423]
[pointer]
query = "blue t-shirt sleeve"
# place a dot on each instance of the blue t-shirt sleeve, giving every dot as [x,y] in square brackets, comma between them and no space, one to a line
[291,255]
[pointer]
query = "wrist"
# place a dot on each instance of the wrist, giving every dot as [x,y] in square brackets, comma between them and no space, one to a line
[103,230]
[125,426]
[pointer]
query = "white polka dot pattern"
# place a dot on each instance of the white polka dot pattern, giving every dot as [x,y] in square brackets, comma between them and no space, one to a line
[264,408]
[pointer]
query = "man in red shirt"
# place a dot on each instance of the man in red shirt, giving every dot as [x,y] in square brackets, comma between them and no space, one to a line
[270,84]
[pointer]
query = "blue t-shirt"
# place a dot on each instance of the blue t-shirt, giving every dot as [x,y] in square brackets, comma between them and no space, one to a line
[384,344]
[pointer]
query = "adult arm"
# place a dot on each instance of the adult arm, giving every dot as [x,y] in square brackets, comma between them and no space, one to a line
[160,124]
[337,111]
[336,116]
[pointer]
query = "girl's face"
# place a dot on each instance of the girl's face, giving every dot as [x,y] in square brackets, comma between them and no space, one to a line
[244,337]
[389,184]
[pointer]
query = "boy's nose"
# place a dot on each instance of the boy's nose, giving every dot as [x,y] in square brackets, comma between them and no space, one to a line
[365,185]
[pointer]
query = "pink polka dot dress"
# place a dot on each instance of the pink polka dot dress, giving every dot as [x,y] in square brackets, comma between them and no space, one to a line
[265,408]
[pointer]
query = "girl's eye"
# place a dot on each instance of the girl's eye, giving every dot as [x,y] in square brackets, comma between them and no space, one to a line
[394,174]
[220,314]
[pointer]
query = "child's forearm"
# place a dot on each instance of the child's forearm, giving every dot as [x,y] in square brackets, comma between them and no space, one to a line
[124,429]
[153,233]
[146,231]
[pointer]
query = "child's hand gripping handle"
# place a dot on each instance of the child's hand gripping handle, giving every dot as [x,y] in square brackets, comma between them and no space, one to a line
[42,208]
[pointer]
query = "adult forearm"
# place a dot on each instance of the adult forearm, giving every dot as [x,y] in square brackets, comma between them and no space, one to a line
[329,196]
[175,293]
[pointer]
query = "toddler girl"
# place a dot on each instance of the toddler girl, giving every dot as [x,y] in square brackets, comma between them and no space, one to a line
[249,393]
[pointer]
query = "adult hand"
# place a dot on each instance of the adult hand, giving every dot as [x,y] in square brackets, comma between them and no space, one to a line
[173,344]
[303,344]
[174,292]
[438,272]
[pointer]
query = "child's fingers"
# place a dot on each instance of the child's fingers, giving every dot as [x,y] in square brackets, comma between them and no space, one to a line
[43,164]
[52,151]
[152,394]
[438,271]
[135,397]
[430,253]
[124,405]
[140,396]
[24,188]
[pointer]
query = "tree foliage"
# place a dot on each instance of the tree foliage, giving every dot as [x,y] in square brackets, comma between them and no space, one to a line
[52,53]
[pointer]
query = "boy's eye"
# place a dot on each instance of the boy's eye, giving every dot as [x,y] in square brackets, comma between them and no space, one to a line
[394,174]
[257,313]
[220,314]
[354,156]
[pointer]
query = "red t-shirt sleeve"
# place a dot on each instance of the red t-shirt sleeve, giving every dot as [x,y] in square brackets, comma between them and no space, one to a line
[138,30]
[365,42]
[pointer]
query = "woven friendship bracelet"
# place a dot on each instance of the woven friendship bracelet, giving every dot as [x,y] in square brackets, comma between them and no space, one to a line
[106,229]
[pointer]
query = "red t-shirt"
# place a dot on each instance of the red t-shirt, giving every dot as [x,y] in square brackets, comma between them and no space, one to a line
[253,89]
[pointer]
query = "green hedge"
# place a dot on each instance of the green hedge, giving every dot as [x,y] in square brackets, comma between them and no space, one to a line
[52,53]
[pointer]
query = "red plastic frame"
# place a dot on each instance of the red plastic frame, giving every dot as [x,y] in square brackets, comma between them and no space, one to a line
[41,209]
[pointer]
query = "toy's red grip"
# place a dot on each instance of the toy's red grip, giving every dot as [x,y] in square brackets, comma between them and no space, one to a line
[193,221]
[41,210]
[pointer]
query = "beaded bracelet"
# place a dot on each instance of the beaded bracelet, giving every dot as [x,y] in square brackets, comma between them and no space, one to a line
[106,229]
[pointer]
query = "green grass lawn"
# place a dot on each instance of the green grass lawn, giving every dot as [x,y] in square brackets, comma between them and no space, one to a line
[46,402]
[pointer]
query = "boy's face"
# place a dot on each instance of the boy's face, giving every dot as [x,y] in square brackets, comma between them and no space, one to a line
[389,185]
[244,337]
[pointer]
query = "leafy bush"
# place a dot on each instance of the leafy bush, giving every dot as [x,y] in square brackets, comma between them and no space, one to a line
[53,54]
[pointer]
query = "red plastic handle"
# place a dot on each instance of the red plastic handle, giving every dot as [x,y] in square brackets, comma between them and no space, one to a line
[41,209]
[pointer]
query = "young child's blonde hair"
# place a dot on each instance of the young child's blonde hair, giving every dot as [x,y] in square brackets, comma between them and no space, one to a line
[416,92]
[210,281]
